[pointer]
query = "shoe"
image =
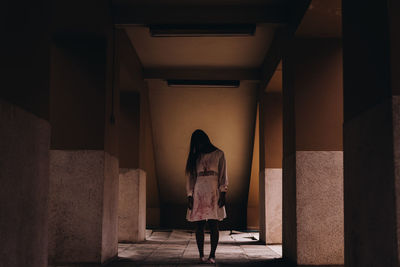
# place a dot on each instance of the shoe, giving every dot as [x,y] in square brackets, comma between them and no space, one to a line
[211,260]
[203,260]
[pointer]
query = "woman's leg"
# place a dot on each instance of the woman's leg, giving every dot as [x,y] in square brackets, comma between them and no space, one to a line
[213,224]
[200,237]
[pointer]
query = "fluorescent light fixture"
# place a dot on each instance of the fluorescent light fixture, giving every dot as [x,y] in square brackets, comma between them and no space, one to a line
[204,83]
[202,30]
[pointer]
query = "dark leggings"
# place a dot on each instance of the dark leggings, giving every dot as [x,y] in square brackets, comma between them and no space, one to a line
[213,224]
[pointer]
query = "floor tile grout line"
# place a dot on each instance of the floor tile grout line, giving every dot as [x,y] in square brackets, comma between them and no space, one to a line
[124,248]
[183,253]
[154,250]
[243,251]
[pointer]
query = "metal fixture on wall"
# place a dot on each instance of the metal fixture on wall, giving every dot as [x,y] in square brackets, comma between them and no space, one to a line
[202,30]
[204,83]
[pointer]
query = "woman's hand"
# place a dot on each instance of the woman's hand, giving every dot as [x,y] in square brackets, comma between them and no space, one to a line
[221,200]
[190,202]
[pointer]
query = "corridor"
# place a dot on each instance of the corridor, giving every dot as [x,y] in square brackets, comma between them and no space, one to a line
[99,100]
[178,248]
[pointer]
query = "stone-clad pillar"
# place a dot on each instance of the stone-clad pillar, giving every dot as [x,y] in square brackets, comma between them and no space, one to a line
[84,115]
[371,78]
[135,135]
[271,169]
[312,153]
[24,174]
[24,133]
[132,205]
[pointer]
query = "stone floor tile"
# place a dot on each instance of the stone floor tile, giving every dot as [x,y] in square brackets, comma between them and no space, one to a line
[179,248]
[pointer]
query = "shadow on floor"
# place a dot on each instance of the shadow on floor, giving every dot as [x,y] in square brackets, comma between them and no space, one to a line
[267,263]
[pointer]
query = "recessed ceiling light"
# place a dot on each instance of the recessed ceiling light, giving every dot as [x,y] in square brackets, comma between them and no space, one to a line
[204,83]
[202,30]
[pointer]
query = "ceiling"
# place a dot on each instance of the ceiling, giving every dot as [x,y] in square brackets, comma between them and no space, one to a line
[275,84]
[201,52]
[323,19]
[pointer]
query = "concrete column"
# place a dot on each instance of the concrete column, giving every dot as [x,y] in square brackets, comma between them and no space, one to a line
[132,205]
[24,133]
[271,206]
[83,206]
[313,158]
[84,143]
[136,139]
[271,172]
[24,159]
[147,162]
[371,133]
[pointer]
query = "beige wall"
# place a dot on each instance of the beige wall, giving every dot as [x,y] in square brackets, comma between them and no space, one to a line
[253,212]
[227,116]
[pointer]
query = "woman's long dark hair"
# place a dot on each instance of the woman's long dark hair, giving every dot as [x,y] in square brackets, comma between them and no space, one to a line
[199,144]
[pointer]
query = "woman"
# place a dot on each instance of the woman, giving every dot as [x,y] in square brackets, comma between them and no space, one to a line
[206,186]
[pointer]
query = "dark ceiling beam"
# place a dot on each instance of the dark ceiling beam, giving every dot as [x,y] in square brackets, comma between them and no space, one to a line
[202,74]
[126,57]
[146,15]
[272,58]
[282,37]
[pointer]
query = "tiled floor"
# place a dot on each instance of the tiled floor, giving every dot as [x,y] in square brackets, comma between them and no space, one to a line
[178,248]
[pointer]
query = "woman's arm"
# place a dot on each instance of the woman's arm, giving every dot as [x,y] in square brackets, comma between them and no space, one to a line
[223,176]
[222,180]
[190,181]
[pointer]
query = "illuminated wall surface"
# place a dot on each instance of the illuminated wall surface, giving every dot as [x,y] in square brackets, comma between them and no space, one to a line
[227,115]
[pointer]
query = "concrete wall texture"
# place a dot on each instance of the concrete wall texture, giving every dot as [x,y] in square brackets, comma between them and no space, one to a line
[271,206]
[24,174]
[109,241]
[83,204]
[319,207]
[132,205]
[313,157]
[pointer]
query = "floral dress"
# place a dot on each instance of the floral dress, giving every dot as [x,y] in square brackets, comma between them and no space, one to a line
[205,188]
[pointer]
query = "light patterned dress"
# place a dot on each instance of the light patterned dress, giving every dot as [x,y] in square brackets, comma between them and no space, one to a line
[205,188]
